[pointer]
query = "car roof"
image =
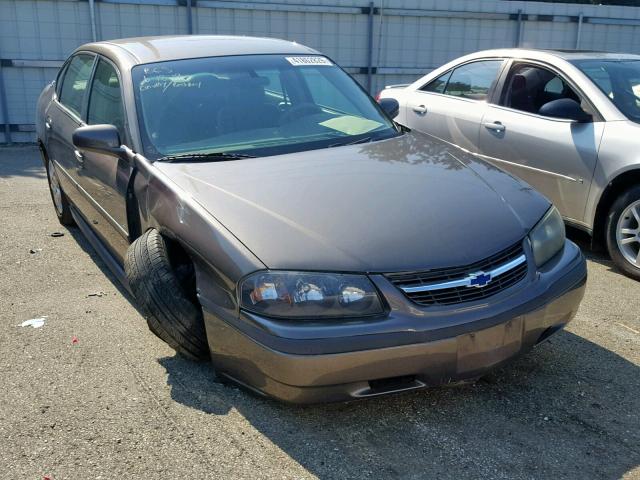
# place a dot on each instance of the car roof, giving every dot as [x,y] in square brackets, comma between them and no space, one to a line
[568,55]
[139,50]
[593,55]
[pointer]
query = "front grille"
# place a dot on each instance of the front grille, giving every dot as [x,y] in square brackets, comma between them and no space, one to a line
[460,294]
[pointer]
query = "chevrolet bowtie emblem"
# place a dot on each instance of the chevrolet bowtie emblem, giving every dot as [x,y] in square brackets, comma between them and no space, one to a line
[479,279]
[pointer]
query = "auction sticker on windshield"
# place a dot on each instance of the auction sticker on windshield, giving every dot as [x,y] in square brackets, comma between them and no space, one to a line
[301,61]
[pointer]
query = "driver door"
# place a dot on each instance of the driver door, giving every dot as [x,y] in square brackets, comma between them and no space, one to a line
[555,156]
[104,177]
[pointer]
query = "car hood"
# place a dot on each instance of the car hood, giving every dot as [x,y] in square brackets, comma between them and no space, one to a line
[406,203]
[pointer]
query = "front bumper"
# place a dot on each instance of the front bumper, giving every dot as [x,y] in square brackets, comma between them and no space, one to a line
[412,348]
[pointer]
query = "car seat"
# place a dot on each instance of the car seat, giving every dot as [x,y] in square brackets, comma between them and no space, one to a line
[188,110]
[247,107]
[520,97]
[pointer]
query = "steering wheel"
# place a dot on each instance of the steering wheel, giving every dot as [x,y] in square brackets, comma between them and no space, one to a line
[297,111]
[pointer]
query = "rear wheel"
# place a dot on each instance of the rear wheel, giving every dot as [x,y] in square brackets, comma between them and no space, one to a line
[623,232]
[60,202]
[165,294]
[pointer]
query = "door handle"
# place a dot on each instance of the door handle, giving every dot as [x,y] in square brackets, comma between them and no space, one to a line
[79,156]
[419,109]
[47,123]
[497,127]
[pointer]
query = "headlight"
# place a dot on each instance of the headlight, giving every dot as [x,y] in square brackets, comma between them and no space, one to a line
[309,295]
[547,237]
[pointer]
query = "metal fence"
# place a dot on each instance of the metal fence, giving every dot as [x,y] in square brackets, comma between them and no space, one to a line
[379,42]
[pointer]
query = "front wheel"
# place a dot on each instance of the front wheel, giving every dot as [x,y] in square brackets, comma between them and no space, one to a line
[623,232]
[165,296]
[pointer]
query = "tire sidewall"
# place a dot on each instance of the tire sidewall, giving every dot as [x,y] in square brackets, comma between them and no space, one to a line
[49,175]
[619,205]
[170,313]
[64,217]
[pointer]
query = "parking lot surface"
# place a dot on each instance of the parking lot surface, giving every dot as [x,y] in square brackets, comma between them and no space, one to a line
[94,394]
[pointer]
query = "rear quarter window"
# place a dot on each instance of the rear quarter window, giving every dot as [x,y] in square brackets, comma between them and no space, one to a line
[438,85]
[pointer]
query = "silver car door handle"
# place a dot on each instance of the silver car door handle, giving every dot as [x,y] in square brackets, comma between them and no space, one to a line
[495,126]
[79,156]
[419,109]
[47,123]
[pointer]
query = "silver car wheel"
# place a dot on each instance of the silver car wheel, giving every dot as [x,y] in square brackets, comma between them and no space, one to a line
[56,190]
[628,233]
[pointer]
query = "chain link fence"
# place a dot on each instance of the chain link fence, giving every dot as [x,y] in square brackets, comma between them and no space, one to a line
[379,42]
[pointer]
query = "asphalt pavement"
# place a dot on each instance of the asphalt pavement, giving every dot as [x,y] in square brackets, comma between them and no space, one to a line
[93,394]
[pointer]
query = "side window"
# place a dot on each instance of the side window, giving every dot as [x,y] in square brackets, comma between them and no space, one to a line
[323,92]
[438,85]
[60,77]
[473,80]
[273,89]
[105,100]
[74,83]
[530,87]
[272,81]
[555,86]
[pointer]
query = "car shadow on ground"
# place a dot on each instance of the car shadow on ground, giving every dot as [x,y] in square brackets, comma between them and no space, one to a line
[568,409]
[595,253]
[84,244]
[21,161]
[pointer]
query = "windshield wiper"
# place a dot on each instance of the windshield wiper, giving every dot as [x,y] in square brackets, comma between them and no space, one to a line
[204,157]
[354,142]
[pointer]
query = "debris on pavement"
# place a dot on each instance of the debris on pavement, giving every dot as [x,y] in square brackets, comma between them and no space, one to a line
[57,234]
[96,294]
[35,250]
[74,340]
[34,322]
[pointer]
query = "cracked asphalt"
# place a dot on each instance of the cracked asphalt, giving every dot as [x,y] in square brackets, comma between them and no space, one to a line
[93,394]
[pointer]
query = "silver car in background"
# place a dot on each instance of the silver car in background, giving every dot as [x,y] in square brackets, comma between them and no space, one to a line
[568,123]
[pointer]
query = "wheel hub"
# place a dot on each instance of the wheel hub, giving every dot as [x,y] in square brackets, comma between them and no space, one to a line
[628,233]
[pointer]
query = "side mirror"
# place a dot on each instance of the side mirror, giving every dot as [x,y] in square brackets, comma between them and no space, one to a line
[390,106]
[99,139]
[565,108]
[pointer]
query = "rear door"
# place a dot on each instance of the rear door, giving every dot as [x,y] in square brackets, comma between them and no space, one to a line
[451,106]
[556,156]
[105,178]
[62,118]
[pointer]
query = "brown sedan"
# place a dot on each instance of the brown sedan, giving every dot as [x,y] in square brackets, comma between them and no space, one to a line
[265,212]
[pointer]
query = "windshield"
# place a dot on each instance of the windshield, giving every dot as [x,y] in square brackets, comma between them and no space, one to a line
[619,80]
[254,105]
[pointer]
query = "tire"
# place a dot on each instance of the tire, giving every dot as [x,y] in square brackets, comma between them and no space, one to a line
[623,232]
[60,202]
[172,311]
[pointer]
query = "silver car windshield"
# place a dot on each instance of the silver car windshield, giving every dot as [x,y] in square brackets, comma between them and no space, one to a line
[619,80]
[254,105]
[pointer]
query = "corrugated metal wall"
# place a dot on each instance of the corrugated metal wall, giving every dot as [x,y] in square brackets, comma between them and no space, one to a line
[394,40]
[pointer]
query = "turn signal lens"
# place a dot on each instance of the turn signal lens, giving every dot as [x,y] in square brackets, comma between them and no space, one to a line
[307,295]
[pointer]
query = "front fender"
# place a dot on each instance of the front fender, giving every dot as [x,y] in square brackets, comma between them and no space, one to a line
[616,161]
[166,207]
